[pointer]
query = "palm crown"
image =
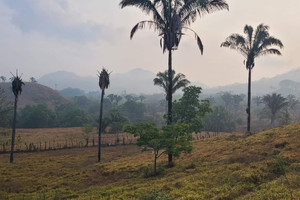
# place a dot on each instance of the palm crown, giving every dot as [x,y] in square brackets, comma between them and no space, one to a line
[178,81]
[170,17]
[104,79]
[254,44]
[17,85]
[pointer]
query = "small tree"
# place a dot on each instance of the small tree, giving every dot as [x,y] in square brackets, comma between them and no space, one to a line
[33,80]
[190,109]
[103,84]
[17,84]
[172,138]
[87,130]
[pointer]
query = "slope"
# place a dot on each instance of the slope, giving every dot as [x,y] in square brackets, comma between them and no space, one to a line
[34,93]
[234,166]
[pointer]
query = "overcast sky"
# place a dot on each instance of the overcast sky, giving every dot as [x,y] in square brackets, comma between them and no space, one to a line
[44,36]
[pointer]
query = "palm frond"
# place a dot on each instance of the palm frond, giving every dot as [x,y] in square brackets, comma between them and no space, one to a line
[236,42]
[199,42]
[143,24]
[145,5]
[202,7]
[248,30]
[269,51]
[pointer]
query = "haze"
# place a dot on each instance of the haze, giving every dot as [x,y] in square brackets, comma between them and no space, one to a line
[38,37]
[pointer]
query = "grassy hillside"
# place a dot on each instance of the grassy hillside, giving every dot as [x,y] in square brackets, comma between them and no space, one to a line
[262,166]
[34,93]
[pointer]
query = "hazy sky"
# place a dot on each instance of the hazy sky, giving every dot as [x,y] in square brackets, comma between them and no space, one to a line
[43,36]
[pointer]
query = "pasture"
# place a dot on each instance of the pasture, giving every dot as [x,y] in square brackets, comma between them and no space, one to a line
[265,165]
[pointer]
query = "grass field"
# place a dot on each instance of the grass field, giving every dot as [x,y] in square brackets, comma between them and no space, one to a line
[234,166]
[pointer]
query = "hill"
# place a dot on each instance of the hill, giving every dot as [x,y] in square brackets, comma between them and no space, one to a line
[265,165]
[285,83]
[137,81]
[34,93]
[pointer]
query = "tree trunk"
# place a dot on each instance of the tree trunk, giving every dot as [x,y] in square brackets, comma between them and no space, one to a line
[249,101]
[155,158]
[169,120]
[100,126]
[13,131]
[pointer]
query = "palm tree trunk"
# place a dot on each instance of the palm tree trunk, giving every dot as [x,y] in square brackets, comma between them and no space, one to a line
[249,101]
[13,131]
[100,126]
[169,120]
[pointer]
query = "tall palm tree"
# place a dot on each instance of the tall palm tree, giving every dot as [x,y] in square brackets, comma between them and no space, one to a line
[178,81]
[169,19]
[254,44]
[274,103]
[103,84]
[17,84]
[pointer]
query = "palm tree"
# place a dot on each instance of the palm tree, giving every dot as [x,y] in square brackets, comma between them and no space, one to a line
[178,81]
[274,103]
[169,19]
[103,84]
[254,44]
[17,90]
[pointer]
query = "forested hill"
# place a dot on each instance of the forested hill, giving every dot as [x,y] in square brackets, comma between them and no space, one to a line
[34,93]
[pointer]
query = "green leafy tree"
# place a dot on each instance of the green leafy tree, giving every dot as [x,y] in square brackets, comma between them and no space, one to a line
[69,115]
[169,19]
[218,120]
[190,109]
[133,110]
[175,138]
[274,103]
[37,116]
[103,84]
[17,84]
[116,121]
[178,81]
[255,44]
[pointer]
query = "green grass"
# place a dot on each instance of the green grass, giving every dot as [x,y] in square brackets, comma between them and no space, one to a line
[262,166]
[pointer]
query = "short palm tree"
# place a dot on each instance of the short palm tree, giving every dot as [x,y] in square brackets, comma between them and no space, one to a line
[178,81]
[17,84]
[274,103]
[254,44]
[103,84]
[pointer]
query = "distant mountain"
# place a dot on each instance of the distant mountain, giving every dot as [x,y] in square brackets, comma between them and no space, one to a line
[140,81]
[136,81]
[34,93]
[287,83]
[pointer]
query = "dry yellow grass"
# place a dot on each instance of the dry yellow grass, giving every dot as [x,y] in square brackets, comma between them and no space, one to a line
[262,166]
[43,138]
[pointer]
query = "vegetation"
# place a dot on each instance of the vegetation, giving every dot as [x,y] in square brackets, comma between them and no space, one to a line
[189,109]
[262,166]
[5,109]
[103,84]
[172,139]
[17,84]
[274,103]
[255,44]
[179,81]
